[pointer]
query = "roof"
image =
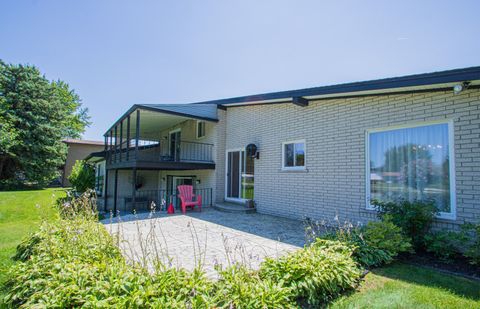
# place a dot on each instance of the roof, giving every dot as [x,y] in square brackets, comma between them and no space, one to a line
[207,110]
[378,86]
[96,156]
[82,141]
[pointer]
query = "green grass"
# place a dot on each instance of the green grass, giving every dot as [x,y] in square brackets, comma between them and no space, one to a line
[21,212]
[406,286]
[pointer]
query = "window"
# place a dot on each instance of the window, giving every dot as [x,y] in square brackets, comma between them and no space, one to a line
[293,155]
[412,163]
[200,129]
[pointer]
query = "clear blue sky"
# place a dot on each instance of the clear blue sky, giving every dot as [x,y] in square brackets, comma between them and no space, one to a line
[118,53]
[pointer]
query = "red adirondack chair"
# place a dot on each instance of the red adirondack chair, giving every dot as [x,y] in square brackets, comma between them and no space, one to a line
[187,197]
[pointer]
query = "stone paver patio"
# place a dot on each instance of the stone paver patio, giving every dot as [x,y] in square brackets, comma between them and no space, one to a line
[209,237]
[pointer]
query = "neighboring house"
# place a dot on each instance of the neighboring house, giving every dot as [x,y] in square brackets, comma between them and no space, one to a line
[77,150]
[321,152]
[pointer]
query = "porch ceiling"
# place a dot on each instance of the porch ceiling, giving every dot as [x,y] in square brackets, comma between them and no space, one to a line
[158,117]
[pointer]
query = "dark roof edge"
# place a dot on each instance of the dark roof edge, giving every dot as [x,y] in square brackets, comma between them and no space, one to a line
[440,77]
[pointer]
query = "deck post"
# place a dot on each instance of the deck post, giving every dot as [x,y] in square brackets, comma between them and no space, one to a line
[121,139]
[110,154]
[116,141]
[137,134]
[105,208]
[128,138]
[134,187]
[115,192]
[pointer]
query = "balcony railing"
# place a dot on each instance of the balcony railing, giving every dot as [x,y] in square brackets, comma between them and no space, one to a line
[165,151]
[145,200]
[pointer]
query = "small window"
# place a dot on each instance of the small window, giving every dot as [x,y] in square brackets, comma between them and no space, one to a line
[200,129]
[293,155]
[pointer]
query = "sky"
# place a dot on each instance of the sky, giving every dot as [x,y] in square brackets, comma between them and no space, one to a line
[118,53]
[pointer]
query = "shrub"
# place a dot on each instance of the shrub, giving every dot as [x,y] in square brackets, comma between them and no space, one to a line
[82,176]
[386,236]
[414,218]
[471,241]
[317,273]
[445,245]
[376,244]
[240,287]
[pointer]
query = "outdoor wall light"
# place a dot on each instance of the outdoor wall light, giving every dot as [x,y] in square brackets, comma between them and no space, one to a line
[460,87]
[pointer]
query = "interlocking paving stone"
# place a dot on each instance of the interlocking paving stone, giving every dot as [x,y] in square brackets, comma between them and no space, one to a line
[211,236]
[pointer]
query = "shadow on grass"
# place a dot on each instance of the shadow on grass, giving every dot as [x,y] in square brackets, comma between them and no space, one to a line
[431,278]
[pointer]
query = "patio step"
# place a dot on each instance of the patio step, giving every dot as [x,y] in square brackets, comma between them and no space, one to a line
[233,208]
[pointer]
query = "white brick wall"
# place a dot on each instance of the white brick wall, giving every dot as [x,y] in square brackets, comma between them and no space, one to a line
[334,130]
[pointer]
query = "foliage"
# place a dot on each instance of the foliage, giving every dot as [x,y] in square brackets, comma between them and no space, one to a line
[35,116]
[386,236]
[414,218]
[445,245]
[376,244]
[243,288]
[472,242]
[448,244]
[82,176]
[317,273]
[75,262]
[363,253]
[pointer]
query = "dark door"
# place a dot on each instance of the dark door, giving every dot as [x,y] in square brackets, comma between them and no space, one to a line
[233,174]
[175,145]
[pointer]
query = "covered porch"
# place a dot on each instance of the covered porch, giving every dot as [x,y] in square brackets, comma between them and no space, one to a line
[149,146]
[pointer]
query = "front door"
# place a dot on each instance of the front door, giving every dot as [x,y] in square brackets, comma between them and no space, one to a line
[177,181]
[174,145]
[234,172]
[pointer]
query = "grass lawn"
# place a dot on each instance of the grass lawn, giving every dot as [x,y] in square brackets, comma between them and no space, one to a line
[20,213]
[406,286]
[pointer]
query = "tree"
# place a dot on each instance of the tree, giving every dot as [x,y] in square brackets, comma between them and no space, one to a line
[35,116]
[82,177]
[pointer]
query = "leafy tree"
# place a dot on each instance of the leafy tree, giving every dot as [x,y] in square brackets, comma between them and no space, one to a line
[35,116]
[82,177]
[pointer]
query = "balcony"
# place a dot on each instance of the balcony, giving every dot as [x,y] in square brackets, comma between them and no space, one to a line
[163,154]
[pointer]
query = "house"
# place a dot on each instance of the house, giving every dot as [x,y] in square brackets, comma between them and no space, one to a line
[77,150]
[318,152]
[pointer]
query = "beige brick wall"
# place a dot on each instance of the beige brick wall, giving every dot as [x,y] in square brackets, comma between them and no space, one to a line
[334,130]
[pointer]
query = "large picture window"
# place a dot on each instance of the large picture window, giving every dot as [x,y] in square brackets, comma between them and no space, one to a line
[412,163]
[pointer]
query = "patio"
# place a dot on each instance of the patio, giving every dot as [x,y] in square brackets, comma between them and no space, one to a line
[208,238]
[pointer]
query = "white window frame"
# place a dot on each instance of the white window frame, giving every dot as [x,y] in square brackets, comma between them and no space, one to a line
[451,154]
[294,168]
[204,129]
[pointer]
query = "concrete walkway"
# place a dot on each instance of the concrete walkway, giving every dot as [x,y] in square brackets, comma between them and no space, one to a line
[208,238]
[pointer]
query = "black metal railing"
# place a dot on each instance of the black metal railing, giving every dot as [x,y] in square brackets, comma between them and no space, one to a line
[145,200]
[165,151]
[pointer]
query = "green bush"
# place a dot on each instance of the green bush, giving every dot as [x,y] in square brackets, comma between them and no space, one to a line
[240,287]
[386,236]
[471,241]
[414,218]
[82,176]
[365,255]
[317,273]
[445,245]
[373,245]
